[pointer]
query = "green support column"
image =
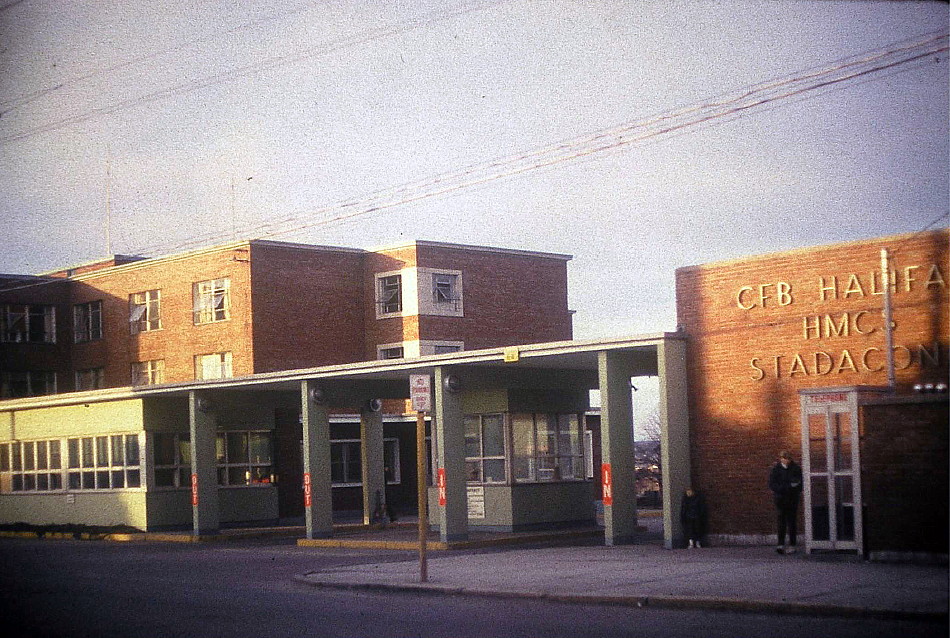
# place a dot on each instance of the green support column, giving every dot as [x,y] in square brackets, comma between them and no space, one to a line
[450,440]
[616,435]
[373,468]
[204,476]
[674,436]
[318,501]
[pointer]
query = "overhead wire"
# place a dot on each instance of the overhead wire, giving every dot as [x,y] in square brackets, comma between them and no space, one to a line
[733,104]
[260,66]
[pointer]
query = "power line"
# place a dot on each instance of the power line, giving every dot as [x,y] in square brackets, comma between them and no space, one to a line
[251,69]
[731,105]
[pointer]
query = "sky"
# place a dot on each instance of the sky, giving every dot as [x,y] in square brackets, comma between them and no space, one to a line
[134,127]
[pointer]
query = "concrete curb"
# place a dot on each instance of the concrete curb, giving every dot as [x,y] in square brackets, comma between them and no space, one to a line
[526,539]
[641,601]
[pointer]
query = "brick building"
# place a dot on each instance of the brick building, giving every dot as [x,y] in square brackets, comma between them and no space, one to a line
[262,306]
[767,335]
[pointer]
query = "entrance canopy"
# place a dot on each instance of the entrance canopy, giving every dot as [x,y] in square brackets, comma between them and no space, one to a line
[548,368]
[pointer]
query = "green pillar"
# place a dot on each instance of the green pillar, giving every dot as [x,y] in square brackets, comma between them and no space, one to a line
[616,435]
[452,517]
[204,474]
[318,498]
[372,466]
[674,435]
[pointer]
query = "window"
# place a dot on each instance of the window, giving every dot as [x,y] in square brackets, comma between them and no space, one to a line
[148,372]
[87,321]
[547,447]
[485,448]
[212,301]
[103,462]
[245,457]
[145,311]
[445,289]
[29,383]
[27,323]
[31,466]
[393,352]
[390,294]
[172,457]
[346,464]
[213,366]
[89,379]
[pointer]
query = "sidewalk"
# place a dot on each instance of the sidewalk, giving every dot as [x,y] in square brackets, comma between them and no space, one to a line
[727,578]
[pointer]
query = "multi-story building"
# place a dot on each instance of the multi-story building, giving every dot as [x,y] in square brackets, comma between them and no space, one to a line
[263,306]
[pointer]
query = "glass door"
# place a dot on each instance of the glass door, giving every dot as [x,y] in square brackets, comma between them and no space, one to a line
[830,463]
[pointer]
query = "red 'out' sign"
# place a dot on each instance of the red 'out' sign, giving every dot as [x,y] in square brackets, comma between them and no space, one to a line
[607,481]
[440,483]
[194,489]
[307,501]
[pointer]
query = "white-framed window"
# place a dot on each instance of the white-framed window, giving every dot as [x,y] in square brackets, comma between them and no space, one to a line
[87,321]
[90,379]
[216,365]
[27,323]
[212,300]
[148,372]
[26,383]
[171,455]
[390,352]
[485,448]
[440,347]
[31,466]
[389,294]
[346,464]
[245,457]
[106,462]
[440,292]
[547,447]
[145,311]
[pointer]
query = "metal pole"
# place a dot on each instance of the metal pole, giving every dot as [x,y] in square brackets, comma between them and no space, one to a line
[888,320]
[423,494]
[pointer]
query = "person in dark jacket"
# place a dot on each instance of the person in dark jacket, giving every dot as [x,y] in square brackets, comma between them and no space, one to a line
[785,481]
[693,517]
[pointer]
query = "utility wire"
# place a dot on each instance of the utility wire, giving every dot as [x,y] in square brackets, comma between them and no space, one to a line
[251,69]
[735,104]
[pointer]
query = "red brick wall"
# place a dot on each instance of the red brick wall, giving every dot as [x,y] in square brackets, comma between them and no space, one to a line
[389,329]
[744,409]
[308,307]
[904,475]
[179,340]
[40,356]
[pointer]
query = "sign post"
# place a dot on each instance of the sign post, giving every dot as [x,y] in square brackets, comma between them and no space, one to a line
[420,391]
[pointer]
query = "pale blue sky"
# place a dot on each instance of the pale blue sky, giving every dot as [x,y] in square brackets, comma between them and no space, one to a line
[366,95]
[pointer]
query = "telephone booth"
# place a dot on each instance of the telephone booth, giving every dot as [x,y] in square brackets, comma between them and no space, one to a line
[831,467]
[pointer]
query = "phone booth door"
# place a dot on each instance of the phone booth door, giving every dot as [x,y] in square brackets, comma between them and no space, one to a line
[831,469]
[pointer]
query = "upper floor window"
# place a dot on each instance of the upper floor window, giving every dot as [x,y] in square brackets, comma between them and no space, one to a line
[391,352]
[148,372]
[389,294]
[445,288]
[29,383]
[444,296]
[212,300]
[90,379]
[145,311]
[87,321]
[27,323]
[213,366]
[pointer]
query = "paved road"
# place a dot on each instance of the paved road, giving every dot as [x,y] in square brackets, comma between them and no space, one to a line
[82,589]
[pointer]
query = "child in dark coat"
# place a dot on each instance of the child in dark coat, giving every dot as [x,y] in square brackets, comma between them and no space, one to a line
[693,517]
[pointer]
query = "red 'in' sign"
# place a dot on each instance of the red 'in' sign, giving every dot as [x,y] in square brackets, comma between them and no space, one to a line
[440,483]
[194,489]
[607,481]
[307,501]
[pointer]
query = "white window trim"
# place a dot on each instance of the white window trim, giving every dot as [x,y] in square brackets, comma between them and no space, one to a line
[409,291]
[88,322]
[142,322]
[427,305]
[152,374]
[427,347]
[225,365]
[204,313]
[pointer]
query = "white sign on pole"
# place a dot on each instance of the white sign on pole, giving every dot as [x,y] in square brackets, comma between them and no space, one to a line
[420,391]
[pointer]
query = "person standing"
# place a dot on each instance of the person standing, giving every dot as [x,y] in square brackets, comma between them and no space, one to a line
[785,481]
[693,517]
